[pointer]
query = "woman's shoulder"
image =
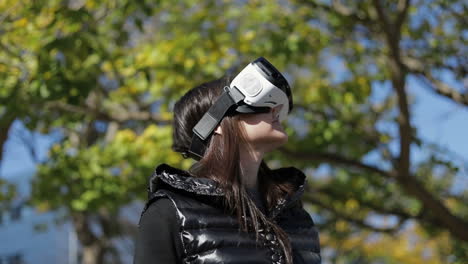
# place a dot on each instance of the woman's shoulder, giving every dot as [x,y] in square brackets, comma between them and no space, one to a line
[160,206]
[159,212]
[158,238]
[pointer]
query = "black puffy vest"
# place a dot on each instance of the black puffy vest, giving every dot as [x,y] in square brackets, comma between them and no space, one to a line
[209,235]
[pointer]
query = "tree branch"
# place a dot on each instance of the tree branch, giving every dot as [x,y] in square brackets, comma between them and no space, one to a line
[339,9]
[391,32]
[417,67]
[8,117]
[383,18]
[332,158]
[118,116]
[445,90]
[436,208]
[398,77]
[403,6]
[5,123]
[394,210]
[84,232]
[349,218]
[410,185]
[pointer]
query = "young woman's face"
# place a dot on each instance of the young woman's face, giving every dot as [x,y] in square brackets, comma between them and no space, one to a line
[263,131]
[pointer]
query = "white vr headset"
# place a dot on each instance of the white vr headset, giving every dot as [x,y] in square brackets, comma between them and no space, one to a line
[256,89]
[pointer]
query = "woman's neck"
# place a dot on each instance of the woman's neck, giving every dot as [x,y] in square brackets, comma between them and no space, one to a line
[250,161]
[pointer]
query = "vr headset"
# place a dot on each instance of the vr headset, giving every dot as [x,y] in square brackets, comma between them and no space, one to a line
[256,89]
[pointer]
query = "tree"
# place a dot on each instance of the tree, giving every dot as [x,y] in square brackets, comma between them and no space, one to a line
[392,42]
[106,74]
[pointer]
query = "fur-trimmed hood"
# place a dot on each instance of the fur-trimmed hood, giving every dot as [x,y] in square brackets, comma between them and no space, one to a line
[167,177]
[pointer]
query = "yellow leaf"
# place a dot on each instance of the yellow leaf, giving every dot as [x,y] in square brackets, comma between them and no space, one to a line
[341,225]
[188,64]
[348,98]
[249,35]
[43,207]
[20,22]
[351,204]
[90,4]
[126,135]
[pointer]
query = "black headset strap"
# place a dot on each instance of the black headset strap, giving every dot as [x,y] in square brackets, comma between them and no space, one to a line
[211,119]
[197,148]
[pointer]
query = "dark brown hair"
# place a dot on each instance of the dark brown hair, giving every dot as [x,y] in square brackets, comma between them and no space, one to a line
[221,161]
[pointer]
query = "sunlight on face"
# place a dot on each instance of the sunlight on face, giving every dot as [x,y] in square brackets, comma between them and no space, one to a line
[263,131]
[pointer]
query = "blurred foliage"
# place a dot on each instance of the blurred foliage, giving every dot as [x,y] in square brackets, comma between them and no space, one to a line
[106,75]
[104,176]
[409,246]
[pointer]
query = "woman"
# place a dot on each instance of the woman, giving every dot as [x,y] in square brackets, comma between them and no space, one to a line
[229,207]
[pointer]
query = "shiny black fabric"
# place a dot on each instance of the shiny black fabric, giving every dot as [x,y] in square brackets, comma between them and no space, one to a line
[210,235]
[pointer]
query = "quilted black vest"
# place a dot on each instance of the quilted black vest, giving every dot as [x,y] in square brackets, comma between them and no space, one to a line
[209,235]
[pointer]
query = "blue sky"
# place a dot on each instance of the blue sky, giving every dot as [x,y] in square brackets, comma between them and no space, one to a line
[445,123]
[17,159]
[439,120]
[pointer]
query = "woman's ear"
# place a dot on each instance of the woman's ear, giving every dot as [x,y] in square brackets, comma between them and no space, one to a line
[218,130]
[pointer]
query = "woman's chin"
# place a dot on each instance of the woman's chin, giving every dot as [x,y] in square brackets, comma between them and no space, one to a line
[278,139]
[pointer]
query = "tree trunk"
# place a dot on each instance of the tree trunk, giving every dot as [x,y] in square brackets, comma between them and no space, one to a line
[93,246]
[93,254]
[5,124]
